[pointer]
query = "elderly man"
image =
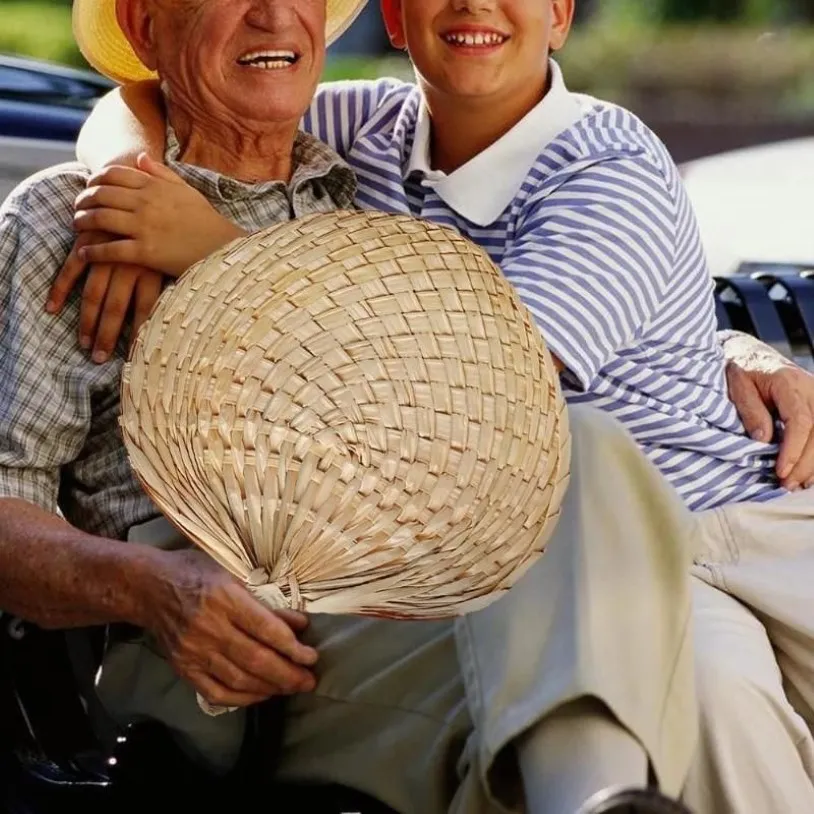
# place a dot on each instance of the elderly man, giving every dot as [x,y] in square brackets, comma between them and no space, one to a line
[563,680]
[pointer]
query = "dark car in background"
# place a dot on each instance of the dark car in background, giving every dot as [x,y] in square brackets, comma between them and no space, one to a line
[42,108]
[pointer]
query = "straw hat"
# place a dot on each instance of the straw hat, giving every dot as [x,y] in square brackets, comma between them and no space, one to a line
[352,413]
[103,44]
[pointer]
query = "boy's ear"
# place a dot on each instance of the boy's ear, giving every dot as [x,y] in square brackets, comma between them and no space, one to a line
[136,22]
[562,19]
[391,11]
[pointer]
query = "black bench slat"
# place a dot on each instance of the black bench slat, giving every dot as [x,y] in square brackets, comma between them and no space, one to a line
[724,320]
[801,292]
[761,310]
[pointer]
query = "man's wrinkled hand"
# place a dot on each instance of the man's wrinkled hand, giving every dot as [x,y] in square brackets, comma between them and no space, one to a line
[230,647]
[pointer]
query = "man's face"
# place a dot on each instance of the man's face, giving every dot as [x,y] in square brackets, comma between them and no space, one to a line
[251,59]
[479,48]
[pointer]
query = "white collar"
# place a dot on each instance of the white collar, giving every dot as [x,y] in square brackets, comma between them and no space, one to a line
[483,188]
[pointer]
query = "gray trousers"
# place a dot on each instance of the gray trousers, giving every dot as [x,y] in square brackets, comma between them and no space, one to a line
[423,715]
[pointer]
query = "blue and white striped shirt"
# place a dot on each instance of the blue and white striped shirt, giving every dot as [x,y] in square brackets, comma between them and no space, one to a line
[584,210]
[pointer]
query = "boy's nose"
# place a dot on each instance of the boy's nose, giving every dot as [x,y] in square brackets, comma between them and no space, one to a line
[474,6]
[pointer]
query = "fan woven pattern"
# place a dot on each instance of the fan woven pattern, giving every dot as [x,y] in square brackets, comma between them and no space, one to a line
[352,413]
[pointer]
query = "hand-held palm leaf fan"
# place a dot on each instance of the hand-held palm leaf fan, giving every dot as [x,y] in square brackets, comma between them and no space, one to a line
[352,413]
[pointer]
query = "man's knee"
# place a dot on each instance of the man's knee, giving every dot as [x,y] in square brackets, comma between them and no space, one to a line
[732,699]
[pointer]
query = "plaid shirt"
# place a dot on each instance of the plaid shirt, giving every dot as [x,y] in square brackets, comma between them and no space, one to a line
[60,445]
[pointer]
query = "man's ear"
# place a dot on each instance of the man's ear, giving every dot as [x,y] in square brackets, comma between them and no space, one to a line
[136,21]
[391,11]
[562,19]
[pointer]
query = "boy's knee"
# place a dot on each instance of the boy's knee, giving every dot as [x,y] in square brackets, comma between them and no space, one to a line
[593,428]
[600,441]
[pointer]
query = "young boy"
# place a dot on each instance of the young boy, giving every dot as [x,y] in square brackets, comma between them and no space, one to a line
[583,209]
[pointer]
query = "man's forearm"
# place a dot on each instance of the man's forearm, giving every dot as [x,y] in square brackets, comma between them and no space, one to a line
[56,576]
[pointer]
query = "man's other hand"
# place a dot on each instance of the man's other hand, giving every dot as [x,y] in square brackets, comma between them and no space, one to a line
[234,650]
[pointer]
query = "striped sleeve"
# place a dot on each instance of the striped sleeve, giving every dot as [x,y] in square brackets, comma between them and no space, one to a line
[341,109]
[593,258]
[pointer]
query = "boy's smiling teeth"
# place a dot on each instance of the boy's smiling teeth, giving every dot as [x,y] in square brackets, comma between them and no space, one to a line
[474,39]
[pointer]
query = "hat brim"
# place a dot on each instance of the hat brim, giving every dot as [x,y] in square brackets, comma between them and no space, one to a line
[103,44]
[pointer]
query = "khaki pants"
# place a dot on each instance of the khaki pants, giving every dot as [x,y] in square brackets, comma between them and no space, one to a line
[753,597]
[423,715]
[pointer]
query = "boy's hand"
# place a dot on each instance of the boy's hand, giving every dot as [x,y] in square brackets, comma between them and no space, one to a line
[110,293]
[161,222]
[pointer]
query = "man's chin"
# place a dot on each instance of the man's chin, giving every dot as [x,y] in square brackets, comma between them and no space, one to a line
[269,98]
[270,109]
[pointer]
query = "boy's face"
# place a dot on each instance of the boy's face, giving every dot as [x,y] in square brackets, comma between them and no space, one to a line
[479,48]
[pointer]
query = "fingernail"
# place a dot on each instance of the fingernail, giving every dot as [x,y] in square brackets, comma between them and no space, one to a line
[85,342]
[99,356]
[82,253]
[785,471]
[809,484]
[50,306]
[759,435]
[793,487]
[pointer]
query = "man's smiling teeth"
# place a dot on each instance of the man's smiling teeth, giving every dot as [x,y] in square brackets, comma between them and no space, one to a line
[269,60]
[475,39]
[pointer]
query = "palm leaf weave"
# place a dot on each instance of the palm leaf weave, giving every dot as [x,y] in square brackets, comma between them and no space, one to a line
[352,413]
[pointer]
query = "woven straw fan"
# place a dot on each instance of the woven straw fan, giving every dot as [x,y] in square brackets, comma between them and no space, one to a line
[352,413]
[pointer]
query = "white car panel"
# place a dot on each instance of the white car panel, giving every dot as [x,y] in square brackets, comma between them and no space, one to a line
[755,205]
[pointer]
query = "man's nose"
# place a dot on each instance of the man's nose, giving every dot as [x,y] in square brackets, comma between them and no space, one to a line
[271,15]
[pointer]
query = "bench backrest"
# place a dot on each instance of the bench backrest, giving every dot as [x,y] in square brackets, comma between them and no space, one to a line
[773,302]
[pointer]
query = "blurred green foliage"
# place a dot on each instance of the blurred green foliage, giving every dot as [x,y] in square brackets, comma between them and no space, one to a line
[40,29]
[708,68]
[749,12]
